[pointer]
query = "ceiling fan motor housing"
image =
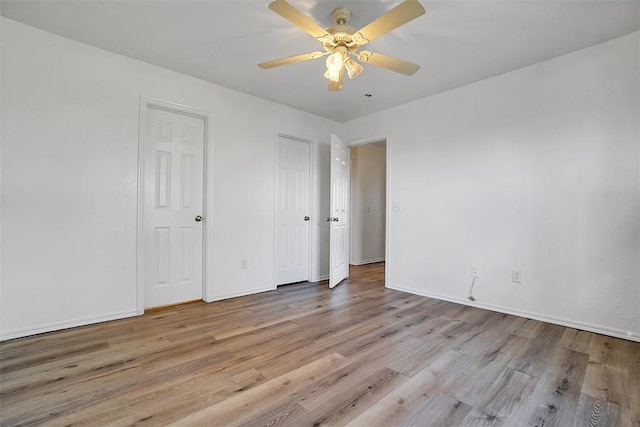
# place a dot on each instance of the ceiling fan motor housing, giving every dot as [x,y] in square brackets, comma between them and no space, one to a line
[342,34]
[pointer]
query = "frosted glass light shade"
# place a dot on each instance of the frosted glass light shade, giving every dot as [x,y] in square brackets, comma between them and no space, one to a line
[332,75]
[353,68]
[334,61]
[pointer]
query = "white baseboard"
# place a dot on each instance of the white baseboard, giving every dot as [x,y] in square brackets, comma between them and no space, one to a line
[245,292]
[603,330]
[366,261]
[56,326]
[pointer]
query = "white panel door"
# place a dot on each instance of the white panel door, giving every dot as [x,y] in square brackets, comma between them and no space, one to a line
[173,205]
[339,218]
[292,211]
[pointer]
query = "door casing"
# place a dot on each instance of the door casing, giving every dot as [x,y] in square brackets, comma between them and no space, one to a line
[207,233]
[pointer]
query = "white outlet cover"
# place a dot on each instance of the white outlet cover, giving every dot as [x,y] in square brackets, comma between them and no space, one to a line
[395,206]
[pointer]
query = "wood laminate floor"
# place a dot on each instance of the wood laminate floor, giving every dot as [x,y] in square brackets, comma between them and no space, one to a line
[305,355]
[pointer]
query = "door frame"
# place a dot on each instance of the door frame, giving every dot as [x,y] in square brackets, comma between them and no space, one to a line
[312,196]
[371,140]
[207,189]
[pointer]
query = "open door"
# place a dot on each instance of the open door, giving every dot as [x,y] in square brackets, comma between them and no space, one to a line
[339,217]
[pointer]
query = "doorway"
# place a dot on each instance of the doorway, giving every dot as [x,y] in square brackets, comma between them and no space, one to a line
[368,203]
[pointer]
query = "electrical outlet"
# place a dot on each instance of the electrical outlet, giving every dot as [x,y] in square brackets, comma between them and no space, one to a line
[474,271]
[515,276]
[395,206]
[244,264]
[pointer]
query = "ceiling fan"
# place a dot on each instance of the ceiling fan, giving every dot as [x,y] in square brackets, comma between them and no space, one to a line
[342,42]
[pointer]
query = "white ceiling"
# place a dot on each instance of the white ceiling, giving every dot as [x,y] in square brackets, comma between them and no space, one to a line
[456,42]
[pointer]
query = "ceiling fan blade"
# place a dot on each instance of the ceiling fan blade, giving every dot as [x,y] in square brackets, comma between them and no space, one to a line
[406,11]
[291,59]
[293,15]
[337,85]
[393,64]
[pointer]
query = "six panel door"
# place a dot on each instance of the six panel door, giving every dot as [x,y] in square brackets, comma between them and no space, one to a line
[292,207]
[173,200]
[339,218]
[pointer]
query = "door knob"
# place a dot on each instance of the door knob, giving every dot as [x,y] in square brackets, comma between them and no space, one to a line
[329,219]
[335,219]
[306,218]
[198,218]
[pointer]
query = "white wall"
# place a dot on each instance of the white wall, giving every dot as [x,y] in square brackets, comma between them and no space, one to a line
[368,188]
[69,179]
[536,170]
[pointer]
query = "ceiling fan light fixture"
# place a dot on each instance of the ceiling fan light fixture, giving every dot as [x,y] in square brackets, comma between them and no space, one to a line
[333,75]
[353,68]
[335,61]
